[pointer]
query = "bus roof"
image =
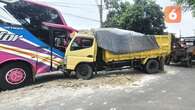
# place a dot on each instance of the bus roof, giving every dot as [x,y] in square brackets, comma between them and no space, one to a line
[8,1]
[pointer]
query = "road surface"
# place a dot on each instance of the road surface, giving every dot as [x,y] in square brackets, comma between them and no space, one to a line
[173,90]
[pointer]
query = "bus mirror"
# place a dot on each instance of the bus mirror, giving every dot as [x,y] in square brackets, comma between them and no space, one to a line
[45,26]
[48,25]
[58,26]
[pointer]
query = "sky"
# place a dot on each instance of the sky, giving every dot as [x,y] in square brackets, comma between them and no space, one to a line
[83,14]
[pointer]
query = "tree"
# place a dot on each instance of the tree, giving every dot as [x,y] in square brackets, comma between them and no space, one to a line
[115,8]
[187,5]
[143,16]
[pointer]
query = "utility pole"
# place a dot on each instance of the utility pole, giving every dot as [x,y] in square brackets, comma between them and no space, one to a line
[180,33]
[100,6]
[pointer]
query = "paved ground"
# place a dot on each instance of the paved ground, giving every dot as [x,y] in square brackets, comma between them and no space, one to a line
[174,90]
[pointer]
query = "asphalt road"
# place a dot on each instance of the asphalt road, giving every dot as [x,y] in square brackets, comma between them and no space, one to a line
[174,90]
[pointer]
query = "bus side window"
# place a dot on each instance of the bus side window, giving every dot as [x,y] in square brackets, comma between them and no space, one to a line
[60,38]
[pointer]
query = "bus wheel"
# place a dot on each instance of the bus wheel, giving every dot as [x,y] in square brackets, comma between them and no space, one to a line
[152,66]
[15,75]
[84,71]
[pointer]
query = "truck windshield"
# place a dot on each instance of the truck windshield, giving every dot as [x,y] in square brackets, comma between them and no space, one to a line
[81,43]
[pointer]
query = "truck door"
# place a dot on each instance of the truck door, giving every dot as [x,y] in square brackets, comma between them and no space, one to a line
[81,49]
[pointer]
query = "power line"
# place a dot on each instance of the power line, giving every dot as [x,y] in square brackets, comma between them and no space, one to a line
[62,4]
[67,6]
[81,17]
[78,8]
[80,4]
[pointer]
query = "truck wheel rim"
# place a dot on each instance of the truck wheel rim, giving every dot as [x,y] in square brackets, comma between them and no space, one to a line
[152,65]
[15,76]
[84,72]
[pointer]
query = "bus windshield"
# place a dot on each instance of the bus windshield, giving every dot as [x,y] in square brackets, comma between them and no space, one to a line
[6,17]
[32,14]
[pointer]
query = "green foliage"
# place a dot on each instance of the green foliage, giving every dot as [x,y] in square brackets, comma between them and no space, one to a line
[143,16]
[187,4]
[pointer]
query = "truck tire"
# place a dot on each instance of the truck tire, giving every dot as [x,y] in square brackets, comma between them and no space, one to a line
[188,63]
[15,75]
[162,64]
[67,73]
[168,60]
[152,66]
[84,71]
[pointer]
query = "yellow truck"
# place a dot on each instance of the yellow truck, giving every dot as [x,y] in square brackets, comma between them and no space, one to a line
[86,57]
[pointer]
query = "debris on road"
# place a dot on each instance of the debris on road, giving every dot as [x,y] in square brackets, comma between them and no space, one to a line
[43,92]
[47,90]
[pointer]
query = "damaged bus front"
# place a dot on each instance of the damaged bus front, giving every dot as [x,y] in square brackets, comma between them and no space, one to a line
[33,38]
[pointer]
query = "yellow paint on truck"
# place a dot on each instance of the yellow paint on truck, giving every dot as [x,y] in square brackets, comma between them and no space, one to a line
[164,42]
[73,58]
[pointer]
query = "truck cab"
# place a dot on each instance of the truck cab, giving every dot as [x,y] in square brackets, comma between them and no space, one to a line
[81,50]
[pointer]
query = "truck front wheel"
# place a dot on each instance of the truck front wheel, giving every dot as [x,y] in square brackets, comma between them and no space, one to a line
[84,71]
[15,75]
[152,66]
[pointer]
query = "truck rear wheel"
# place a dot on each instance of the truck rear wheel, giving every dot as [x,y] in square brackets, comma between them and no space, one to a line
[168,60]
[15,75]
[84,71]
[152,66]
[188,63]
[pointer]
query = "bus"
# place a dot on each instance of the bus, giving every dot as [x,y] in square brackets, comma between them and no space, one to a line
[33,40]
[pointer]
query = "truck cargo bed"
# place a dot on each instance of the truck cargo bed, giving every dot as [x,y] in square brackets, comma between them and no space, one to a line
[164,42]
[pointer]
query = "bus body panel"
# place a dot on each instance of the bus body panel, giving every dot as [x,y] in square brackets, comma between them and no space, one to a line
[21,42]
[16,43]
